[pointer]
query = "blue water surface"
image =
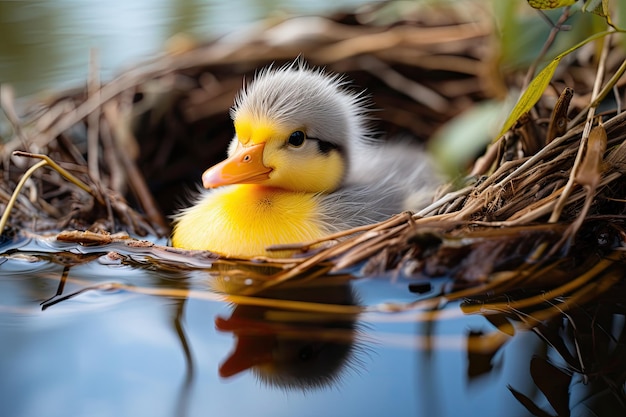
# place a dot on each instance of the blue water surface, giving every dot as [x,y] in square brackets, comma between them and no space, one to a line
[119,352]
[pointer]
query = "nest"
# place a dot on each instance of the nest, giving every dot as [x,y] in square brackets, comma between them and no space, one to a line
[545,203]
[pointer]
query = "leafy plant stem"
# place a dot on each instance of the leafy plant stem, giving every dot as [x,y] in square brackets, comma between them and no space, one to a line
[556,28]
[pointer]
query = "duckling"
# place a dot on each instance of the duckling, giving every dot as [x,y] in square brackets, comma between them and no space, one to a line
[303,164]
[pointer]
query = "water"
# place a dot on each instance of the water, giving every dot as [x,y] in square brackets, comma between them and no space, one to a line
[118,351]
[88,333]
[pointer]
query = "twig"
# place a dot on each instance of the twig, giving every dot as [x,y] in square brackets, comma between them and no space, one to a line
[16,192]
[558,119]
[589,175]
[93,90]
[418,92]
[7,104]
[393,221]
[135,177]
[585,135]
[67,175]
[610,84]
[551,38]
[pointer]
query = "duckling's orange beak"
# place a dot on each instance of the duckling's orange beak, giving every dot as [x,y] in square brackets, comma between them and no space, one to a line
[245,166]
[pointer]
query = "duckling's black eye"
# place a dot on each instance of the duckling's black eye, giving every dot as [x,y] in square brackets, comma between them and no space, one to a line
[297,138]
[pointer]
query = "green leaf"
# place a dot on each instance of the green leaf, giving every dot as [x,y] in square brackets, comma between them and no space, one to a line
[599,7]
[457,144]
[537,86]
[549,4]
[532,94]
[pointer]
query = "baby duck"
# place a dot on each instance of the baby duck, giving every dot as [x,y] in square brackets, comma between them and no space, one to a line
[303,164]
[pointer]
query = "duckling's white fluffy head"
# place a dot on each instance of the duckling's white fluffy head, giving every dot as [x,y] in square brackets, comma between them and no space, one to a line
[298,97]
[296,129]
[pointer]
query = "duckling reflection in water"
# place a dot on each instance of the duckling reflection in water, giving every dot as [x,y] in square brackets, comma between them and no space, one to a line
[289,349]
[303,164]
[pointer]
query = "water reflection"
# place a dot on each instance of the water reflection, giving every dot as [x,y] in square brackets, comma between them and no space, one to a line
[209,331]
[294,338]
[293,349]
[582,368]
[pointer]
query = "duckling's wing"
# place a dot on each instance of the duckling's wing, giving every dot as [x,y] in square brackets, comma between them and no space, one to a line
[383,180]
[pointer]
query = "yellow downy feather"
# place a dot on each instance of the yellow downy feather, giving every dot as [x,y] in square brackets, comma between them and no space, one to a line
[240,220]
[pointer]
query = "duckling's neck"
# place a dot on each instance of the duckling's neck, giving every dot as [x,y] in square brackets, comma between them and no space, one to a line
[242,220]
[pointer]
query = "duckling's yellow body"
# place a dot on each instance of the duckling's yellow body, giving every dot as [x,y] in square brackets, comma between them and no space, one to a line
[302,164]
[240,220]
